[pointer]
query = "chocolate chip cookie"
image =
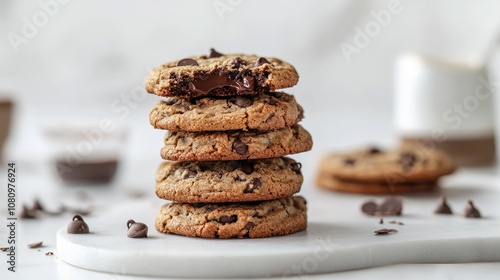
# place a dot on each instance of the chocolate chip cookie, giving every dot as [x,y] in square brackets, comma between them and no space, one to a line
[228,181]
[252,112]
[234,220]
[221,75]
[408,163]
[235,145]
[327,181]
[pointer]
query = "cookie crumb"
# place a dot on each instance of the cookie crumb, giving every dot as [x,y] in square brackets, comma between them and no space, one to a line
[35,245]
[385,231]
[397,223]
[49,253]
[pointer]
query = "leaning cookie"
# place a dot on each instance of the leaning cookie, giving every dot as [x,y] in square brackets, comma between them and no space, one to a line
[408,163]
[253,112]
[234,220]
[228,181]
[221,75]
[235,145]
[326,181]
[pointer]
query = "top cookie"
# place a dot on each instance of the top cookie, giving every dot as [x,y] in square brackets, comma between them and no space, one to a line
[405,164]
[221,75]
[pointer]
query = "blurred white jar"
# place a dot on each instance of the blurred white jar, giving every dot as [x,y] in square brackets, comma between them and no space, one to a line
[447,104]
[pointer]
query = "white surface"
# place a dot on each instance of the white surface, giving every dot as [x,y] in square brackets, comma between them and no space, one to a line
[326,246]
[433,94]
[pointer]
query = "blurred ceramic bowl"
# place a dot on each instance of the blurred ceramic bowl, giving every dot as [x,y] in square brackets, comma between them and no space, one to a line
[6,107]
[85,152]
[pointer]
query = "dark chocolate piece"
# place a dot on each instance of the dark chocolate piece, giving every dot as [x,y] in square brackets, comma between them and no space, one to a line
[374,151]
[471,211]
[391,206]
[187,62]
[239,147]
[407,160]
[243,102]
[214,53]
[255,184]
[136,230]
[296,167]
[228,219]
[27,213]
[369,208]
[237,62]
[35,245]
[240,85]
[385,231]
[349,161]
[246,167]
[442,207]
[78,226]
[261,61]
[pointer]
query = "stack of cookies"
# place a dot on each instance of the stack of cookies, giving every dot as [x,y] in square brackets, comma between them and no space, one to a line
[409,168]
[228,133]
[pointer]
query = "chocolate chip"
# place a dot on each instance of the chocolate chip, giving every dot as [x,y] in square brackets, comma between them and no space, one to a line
[442,207]
[257,215]
[246,167]
[136,230]
[391,207]
[187,62]
[269,117]
[261,61]
[182,107]
[369,208]
[239,147]
[243,102]
[296,166]
[239,179]
[27,213]
[237,62]
[78,225]
[35,245]
[214,53]
[37,205]
[349,161]
[374,151]
[385,231]
[170,100]
[189,174]
[249,226]
[471,211]
[49,253]
[407,160]
[233,165]
[209,208]
[301,112]
[228,219]
[255,184]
